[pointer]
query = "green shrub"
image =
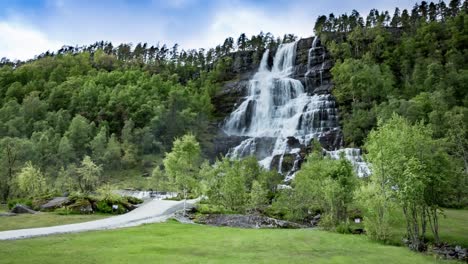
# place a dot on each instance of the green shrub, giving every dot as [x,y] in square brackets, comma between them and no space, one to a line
[212,209]
[23,201]
[106,207]
[377,212]
[103,207]
[106,193]
[133,200]
[343,228]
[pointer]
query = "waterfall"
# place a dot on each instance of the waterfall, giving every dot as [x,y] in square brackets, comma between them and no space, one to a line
[278,117]
[354,156]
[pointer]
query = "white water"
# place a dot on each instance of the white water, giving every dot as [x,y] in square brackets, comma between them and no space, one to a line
[147,195]
[354,156]
[277,107]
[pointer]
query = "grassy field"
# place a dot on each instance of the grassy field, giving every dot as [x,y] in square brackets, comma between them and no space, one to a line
[179,243]
[43,220]
[453,227]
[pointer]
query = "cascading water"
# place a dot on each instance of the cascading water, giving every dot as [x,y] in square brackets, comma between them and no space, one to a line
[277,109]
[354,156]
[278,116]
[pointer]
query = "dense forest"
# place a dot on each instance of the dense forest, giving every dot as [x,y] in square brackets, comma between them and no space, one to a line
[71,119]
[121,106]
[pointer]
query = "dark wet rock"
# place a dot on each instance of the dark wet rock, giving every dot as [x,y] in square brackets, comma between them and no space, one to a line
[331,140]
[263,147]
[323,89]
[287,162]
[245,221]
[243,61]
[247,117]
[293,143]
[56,202]
[22,209]
[231,94]
[313,220]
[314,73]
[451,252]
[221,143]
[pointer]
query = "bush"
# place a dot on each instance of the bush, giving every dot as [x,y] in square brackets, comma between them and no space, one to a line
[212,209]
[343,228]
[23,201]
[133,200]
[106,193]
[106,207]
[103,207]
[377,212]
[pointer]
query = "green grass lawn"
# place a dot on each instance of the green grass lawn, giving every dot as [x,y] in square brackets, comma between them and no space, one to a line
[181,243]
[453,228]
[3,208]
[42,220]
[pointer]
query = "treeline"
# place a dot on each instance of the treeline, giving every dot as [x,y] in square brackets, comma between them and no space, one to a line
[163,59]
[423,12]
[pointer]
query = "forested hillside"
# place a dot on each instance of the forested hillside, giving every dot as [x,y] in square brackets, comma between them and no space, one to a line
[122,106]
[414,64]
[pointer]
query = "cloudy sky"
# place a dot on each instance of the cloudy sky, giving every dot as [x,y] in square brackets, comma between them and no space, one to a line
[30,27]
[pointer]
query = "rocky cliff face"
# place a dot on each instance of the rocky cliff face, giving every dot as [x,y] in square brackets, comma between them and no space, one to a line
[275,108]
[311,68]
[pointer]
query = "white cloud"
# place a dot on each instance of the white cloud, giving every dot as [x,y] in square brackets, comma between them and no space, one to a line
[234,20]
[23,42]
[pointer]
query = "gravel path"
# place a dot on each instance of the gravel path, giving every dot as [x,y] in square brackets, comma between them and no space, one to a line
[151,212]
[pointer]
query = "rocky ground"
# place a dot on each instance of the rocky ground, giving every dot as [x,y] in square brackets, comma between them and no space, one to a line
[245,221]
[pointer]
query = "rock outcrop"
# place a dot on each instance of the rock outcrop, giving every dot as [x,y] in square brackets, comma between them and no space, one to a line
[56,202]
[279,105]
[451,252]
[273,109]
[245,221]
[22,209]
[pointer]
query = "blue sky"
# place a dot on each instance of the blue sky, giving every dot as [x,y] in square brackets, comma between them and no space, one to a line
[30,27]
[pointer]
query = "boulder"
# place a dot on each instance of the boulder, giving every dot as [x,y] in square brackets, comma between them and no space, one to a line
[246,221]
[451,252]
[56,202]
[22,209]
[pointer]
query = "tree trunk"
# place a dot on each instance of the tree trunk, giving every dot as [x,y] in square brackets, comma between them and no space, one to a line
[11,163]
[185,201]
[434,223]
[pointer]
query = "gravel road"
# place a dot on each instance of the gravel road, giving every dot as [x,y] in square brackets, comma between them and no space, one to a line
[150,212]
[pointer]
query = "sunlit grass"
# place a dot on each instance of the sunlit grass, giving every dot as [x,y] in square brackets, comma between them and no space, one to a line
[179,243]
[22,221]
